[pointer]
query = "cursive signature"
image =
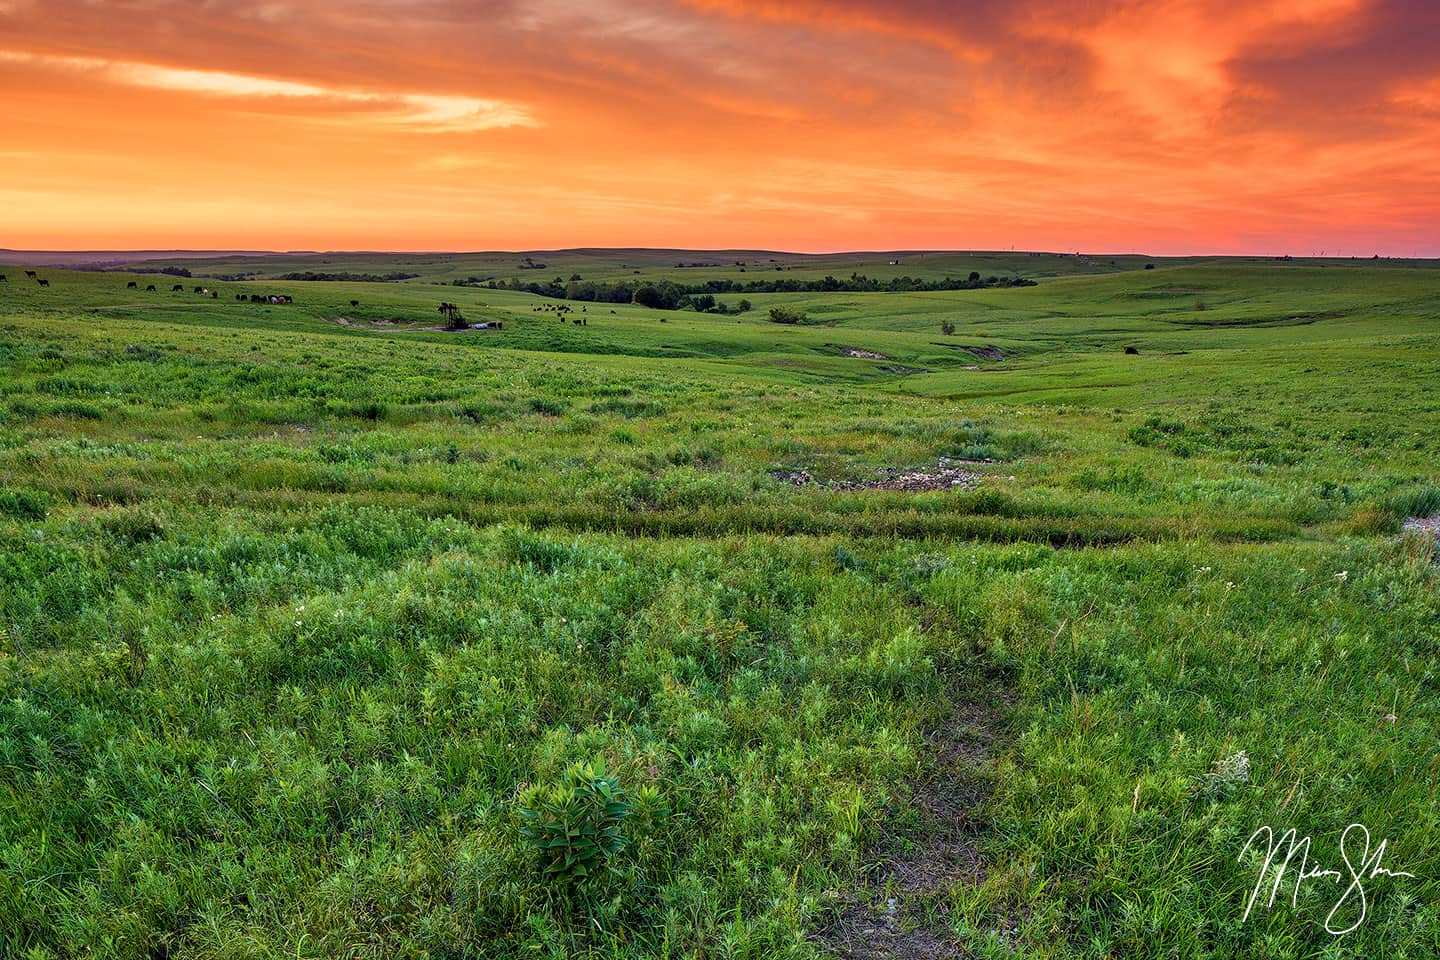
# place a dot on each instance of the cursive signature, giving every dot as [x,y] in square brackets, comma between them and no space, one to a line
[1355,840]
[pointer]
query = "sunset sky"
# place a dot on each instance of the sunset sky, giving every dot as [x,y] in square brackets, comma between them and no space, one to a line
[1169,126]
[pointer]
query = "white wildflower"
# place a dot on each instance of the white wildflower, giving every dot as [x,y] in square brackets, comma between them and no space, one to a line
[1228,774]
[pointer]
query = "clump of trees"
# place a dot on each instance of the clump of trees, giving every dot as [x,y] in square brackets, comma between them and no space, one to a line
[787,315]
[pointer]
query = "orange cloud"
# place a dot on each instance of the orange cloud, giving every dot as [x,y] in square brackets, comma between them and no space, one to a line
[1172,125]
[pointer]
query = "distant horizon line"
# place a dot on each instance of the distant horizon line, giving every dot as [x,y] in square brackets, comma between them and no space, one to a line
[217,252]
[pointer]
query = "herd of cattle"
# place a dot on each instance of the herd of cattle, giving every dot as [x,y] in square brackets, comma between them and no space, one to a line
[561,309]
[180,288]
[29,273]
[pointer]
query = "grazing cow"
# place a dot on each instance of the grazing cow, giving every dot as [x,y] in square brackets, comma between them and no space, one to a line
[150,288]
[1132,352]
[576,322]
[131,285]
[4,279]
[199,289]
[30,274]
[178,288]
[354,303]
[43,282]
[214,294]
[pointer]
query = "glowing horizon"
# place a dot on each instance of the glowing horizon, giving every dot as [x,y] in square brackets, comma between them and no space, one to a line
[1172,127]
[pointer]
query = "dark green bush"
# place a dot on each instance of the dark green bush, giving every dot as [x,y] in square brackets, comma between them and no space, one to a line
[575,825]
[23,504]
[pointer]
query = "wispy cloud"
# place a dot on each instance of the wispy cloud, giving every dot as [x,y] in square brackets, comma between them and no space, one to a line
[418,111]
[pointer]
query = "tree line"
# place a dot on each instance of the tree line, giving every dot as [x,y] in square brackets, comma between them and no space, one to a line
[669,295]
[350,277]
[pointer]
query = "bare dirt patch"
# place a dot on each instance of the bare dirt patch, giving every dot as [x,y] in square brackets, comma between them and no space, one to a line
[983,353]
[371,324]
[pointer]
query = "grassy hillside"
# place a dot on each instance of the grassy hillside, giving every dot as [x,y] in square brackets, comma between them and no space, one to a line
[1001,640]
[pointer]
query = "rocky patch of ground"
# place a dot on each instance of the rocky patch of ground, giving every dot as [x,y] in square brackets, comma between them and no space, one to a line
[946,476]
[857,353]
[1424,525]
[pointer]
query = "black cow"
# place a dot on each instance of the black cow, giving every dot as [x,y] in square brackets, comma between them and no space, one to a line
[354,303]
[131,285]
[178,288]
[4,279]
[43,282]
[30,274]
[150,289]
[199,289]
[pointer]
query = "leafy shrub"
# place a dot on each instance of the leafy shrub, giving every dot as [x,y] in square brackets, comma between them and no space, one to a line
[547,407]
[76,410]
[575,825]
[368,410]
[522,546]
[138,352]
[23,504]
[133,525]
[630,409]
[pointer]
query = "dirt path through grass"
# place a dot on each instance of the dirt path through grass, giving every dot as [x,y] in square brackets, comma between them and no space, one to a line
[903,911]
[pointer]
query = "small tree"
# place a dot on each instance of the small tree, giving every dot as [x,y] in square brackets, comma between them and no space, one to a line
[947,327]
[745,306]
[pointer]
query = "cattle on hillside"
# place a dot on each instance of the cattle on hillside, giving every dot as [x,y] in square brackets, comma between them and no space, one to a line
[131,285]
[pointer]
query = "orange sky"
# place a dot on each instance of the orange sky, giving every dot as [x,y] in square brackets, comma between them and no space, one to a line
[1168,126]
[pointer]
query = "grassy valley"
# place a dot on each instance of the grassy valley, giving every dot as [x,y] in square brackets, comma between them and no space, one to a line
[979,622]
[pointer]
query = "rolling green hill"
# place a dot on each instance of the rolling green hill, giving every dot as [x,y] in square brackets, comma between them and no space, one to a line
[319,623]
